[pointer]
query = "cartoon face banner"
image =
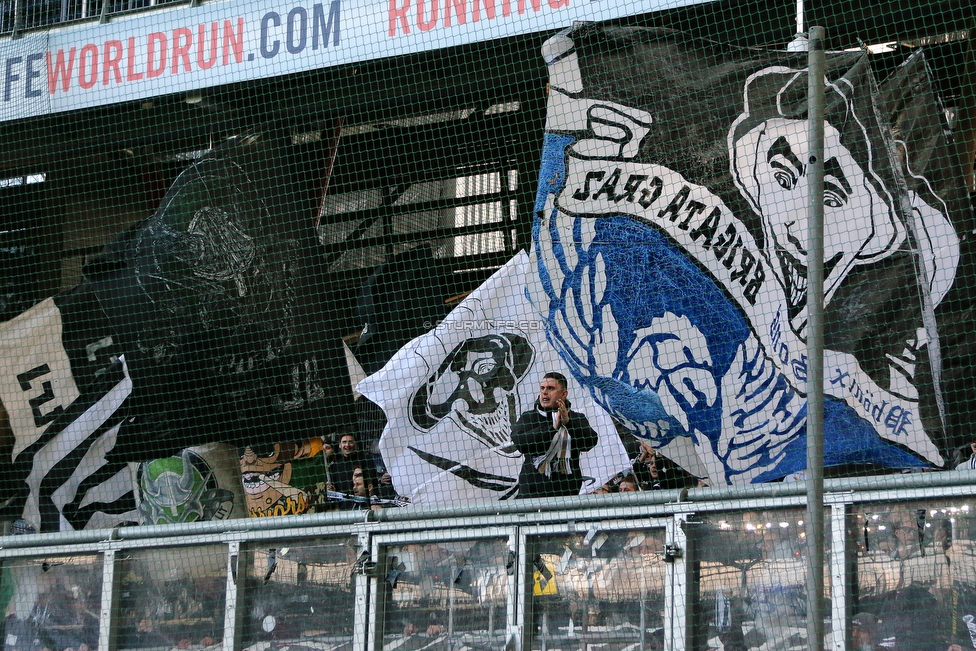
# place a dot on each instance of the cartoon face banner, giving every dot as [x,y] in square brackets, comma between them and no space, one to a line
[284,478]
[452,395]
[670,247]
[200,484]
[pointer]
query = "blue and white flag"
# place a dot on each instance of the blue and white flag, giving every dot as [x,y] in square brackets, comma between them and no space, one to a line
[669,245]
[451,397]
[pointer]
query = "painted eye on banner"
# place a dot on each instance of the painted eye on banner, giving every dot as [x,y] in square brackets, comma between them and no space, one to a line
[485,367]
[834,197]
[785,180]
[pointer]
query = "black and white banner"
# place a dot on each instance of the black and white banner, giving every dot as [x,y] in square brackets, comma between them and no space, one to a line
[452,395]
[63,386]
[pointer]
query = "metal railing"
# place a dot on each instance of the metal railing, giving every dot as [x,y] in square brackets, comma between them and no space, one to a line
[696,569]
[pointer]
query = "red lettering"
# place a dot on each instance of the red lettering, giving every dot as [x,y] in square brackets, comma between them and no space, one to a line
[506,7]
[489,9]
[426,25]
[201,46]
[182,40]
[536,4]
[112,55]
[233,42]
[152,69]
[558,4]
[400,13]
[60,70]
[130,61]
[89,55]
[460,10]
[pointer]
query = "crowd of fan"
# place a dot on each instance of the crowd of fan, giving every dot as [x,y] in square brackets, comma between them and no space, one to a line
[358,479]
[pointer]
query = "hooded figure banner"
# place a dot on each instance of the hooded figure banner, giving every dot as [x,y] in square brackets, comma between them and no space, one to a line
[221,310]
[452,395]
[670,247]
[207,322]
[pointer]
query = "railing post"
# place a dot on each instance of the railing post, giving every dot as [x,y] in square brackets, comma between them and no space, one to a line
[107,620]
[233,597]
[368,629]
[843,561]
[680,584]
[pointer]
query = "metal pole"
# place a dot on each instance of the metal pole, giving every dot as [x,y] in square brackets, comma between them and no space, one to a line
[815,297]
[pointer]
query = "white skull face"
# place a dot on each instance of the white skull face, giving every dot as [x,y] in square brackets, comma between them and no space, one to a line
[476,386]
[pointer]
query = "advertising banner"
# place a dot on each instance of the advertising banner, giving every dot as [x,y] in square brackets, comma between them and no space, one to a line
[184,48]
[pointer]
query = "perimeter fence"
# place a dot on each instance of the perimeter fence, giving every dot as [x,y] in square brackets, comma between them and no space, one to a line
[482,324]
[696,569]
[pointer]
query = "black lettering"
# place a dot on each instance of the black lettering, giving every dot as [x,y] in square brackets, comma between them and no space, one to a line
[694,208]
[724,242]
[648,197]
[676,204]
[755,284]
[25,379]
[609,187]
[746,260]
[730,258]
[630,187]
[584,194]
[40,420]
[707,228]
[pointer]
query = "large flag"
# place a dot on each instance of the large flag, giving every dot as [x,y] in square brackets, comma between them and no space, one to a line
[208,322]
[670,249]
[918,127]
[452,395]
[219,303]
[63,385]
[395,302]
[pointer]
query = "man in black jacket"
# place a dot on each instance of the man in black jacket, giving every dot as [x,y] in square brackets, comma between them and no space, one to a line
[343,466]
[551,438]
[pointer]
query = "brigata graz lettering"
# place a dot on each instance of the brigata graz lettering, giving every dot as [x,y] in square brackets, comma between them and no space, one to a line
[644,196]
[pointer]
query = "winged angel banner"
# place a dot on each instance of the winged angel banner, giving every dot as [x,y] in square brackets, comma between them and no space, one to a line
[670,245]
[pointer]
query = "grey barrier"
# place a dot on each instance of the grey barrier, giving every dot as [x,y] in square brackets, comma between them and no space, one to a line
[695,569]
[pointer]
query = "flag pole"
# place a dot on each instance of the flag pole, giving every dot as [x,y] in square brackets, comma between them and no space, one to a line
[815,299]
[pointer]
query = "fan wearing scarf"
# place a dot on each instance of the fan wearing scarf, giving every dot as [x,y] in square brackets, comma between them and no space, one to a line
[551,438]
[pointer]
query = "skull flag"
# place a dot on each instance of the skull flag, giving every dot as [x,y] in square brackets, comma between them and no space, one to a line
[669,245]
[452,395]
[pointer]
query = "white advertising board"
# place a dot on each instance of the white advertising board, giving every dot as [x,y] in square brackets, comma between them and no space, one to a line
[183,48]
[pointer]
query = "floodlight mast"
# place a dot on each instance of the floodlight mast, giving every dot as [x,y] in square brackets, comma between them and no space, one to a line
[815,338]
[799,42]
